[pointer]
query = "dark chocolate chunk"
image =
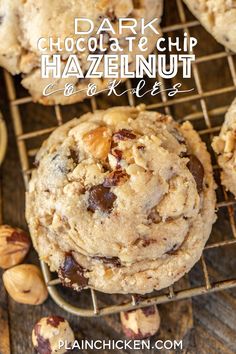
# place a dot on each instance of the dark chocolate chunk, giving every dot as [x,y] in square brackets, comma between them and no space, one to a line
[1,19]
[124,134]
[54,321]
[197,170]
[72,274]
[112,261]
[101,198]
[115,178]
[43,343]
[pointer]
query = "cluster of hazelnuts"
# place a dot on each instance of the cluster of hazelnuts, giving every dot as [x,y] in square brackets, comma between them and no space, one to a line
[25,284]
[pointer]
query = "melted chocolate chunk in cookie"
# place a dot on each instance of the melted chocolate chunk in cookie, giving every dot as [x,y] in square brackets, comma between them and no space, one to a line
[101,198]
[72,274]
[197,170]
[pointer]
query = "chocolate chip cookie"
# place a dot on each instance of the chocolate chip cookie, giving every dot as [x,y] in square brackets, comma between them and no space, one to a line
[225,147]
[218,17]
[122,200]
[23,23]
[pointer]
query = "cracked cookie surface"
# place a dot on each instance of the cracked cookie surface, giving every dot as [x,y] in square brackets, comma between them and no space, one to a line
[122,200]
[23,23]
[225,147]
[218,17]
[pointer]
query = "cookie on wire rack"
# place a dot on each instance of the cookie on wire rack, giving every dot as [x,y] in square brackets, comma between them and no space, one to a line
[225,147]
[219,19]
[122,201]
[23,23]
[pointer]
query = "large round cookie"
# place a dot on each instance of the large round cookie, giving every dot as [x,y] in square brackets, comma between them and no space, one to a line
[22,23]
[218,17]
[225,147]
[122,201]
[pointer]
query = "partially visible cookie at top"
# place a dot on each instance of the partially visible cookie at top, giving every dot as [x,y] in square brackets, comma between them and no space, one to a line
[23,23]
[218,17]
[225,147]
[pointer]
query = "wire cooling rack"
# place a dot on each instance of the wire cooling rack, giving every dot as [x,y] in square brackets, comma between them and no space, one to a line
[203,118]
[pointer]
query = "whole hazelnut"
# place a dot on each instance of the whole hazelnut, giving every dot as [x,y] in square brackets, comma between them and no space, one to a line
[141,323]
[14,246]
[49,333]
[25,284]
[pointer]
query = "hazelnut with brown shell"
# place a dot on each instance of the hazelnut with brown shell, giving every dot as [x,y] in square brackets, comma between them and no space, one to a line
[49,332]
[14,246]
[141,323]
[25,284]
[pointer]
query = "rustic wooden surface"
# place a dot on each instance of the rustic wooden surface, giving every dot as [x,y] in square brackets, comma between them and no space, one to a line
[214,316]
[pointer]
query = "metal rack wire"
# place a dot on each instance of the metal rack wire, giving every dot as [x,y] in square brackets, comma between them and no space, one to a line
[206,115]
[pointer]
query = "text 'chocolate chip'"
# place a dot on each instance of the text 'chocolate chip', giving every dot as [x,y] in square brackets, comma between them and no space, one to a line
[72,274]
